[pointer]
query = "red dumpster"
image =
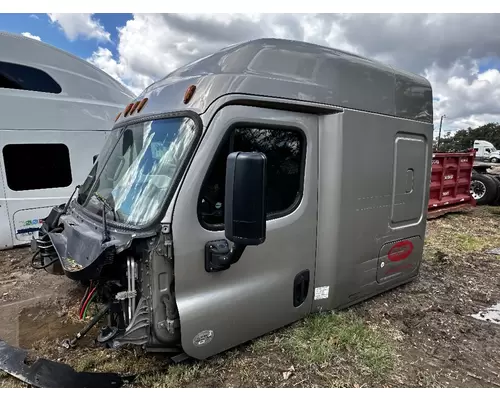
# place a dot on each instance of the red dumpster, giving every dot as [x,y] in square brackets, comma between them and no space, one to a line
[450,183]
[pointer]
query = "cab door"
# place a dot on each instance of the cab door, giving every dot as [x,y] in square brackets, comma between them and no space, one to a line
[272,284]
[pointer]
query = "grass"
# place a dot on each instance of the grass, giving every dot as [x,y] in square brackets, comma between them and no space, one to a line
[332,337]
[328,349]
[176,376]
[457,235]
[7,381]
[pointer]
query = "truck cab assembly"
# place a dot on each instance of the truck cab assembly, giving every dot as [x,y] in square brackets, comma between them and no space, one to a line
[245,191]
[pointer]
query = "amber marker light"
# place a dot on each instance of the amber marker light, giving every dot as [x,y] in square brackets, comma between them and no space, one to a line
[189,93]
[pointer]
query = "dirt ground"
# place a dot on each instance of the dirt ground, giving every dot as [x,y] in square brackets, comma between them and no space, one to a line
[418,335]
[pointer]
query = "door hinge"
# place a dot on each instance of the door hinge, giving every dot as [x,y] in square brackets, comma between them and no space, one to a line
[169,249]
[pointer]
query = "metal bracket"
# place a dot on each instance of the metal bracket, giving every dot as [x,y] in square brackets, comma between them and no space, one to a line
[126,295]
[169,249]
[170,325]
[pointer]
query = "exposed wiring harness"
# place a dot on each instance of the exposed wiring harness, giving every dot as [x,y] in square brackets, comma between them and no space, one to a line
[88,297]
[88,305]
[84,297]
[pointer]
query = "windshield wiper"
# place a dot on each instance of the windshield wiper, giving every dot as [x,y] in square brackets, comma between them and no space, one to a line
[105,204]
[65,209]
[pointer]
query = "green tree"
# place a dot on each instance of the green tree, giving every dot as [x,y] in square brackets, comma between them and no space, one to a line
[463,139]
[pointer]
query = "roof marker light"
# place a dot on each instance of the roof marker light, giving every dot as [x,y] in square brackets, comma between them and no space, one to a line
[142,104]
[127,110]
[189,93]
[134,107]
[118,116]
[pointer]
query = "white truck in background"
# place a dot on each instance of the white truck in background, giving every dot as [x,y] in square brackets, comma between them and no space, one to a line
[56,111]
[485,151]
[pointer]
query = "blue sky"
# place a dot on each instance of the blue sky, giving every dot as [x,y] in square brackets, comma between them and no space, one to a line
[489,63]
[40,25]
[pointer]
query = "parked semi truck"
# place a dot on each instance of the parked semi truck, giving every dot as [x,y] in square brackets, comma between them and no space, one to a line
[486,152]
[226,202]
[55,104]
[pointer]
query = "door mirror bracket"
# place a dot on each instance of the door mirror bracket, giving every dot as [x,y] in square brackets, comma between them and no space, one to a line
[245,210]
[219,256]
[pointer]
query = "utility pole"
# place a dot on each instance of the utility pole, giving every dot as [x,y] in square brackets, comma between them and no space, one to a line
[439,136]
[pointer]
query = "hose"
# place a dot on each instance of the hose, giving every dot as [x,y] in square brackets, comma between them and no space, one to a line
[41,266]
[33,261]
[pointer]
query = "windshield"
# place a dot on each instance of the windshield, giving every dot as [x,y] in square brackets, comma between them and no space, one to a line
[138,168]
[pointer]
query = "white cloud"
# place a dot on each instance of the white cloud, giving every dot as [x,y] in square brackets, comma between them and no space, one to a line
[445,48]
[29,35]
[467,98]
[103,58]
[75,26]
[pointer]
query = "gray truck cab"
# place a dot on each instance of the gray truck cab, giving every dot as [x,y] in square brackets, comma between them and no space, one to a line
[246,190]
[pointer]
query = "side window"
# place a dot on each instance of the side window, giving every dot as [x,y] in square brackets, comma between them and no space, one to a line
[285,152]
[53,171]
[22,77]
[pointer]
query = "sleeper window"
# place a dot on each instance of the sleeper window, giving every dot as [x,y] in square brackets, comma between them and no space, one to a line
[51,170]
[284,149]
[23,77]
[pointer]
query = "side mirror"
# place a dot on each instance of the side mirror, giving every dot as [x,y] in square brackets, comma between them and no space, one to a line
[245,210]
[245,198]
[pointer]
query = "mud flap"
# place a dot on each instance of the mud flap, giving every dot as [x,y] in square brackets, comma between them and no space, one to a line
[399,259]
[50,374]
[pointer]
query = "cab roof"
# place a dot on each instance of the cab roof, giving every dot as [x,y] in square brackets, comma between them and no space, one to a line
[293,70]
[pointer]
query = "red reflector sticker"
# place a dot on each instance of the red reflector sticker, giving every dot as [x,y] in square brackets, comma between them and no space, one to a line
[400,251]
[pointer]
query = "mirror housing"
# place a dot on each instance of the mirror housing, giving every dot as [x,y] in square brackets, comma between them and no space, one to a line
[245,198]
[244,210]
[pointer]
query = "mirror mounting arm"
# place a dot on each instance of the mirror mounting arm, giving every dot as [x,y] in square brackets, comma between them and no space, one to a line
[233,256]
[219,257]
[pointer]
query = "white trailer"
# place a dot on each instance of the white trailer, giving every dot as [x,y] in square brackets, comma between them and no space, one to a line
[56,110]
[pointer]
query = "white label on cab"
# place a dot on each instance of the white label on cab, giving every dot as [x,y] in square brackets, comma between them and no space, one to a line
[321,292]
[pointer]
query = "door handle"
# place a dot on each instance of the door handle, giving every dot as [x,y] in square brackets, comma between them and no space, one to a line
[409,180]
[300,287]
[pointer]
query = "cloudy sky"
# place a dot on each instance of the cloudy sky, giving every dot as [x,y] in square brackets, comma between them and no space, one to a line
[458,53]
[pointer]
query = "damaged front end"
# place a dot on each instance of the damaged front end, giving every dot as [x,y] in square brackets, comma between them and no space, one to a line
[111,238]
[130,274]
